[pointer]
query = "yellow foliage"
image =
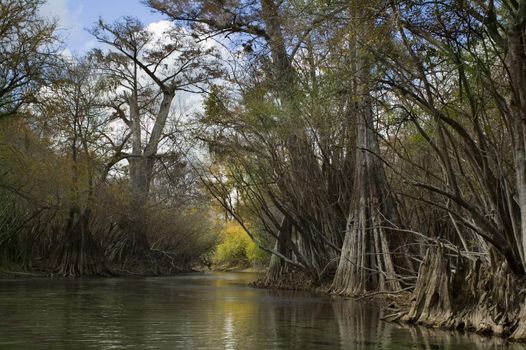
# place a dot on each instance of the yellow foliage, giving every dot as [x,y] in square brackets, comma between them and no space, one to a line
[237,247]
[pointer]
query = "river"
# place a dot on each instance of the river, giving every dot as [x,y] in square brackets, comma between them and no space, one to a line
[200,311]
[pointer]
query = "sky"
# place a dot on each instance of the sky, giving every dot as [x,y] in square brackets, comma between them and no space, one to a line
[75,16]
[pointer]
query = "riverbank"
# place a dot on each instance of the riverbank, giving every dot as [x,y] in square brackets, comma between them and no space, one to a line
[133,270]
[111,271]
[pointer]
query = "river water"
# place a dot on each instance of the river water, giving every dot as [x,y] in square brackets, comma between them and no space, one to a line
[200,311]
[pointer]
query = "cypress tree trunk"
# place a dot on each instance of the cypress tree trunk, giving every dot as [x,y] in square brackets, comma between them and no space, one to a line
[517,64]
[305,178]
[366,263]
[457,293]
[278,269]
[133,245]
[79,254]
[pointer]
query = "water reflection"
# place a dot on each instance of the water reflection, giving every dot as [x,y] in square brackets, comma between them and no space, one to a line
[200,311]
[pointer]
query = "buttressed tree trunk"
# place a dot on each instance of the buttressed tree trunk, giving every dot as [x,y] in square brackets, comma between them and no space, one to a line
[366,262]
[79,254]
[305,175]
[278,269]
[517,68]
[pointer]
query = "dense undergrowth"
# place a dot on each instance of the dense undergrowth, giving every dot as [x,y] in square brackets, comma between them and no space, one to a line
[236,249]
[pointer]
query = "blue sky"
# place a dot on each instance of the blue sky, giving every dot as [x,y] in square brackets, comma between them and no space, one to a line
[76,15]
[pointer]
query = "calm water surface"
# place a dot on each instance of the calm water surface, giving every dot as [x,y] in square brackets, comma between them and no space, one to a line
[199,311]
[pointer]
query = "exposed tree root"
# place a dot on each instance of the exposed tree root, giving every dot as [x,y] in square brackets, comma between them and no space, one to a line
[280,274]
[473,296]
[129,247]
[292,280]
[79,254]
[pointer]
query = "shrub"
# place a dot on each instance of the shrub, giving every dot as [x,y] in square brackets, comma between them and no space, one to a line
[236,247]
[15,245]
[187,235]
[256,256]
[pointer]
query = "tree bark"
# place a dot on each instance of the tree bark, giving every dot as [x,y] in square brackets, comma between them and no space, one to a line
[305,179]
[278,269]
[134,243]
[366,263]
[79,254]
[517,67]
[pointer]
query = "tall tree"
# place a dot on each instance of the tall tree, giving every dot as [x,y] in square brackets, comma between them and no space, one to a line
[295,161]
[366,262]
[149,71]
[27,49]
[73,113]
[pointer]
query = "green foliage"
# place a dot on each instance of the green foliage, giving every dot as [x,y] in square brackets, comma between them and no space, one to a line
[28,45]
[232,247]
[213,105]
[237,248]
[255,255]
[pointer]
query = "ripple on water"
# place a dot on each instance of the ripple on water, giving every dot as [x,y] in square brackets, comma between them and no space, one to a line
[199,311]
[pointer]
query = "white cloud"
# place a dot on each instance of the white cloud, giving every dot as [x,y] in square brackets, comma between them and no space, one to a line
[90,44]
[159,27]
[58,9]
[67,53]
[68,19]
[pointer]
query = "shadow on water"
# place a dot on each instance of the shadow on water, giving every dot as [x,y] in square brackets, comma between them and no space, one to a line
[200,311]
